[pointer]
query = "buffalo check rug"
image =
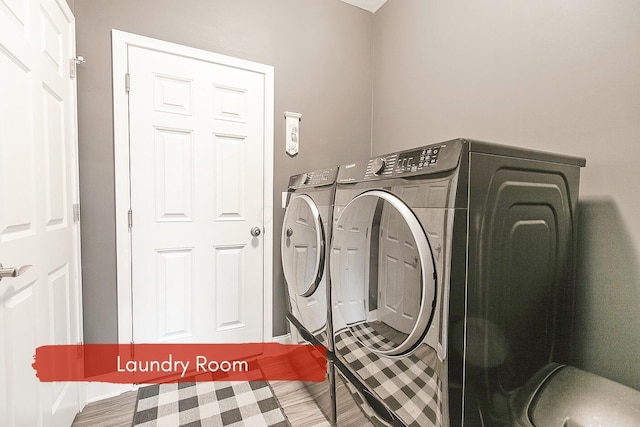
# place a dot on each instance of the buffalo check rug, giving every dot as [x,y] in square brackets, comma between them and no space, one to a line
[408,386]
[204,404]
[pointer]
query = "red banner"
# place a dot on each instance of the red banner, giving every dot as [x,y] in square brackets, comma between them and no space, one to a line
[162,363]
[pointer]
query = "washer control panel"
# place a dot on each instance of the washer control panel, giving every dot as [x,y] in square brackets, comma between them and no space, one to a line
[314,179]
[318,177]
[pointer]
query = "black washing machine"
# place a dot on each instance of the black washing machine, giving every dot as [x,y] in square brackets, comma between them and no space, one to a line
[306,233]
[452,281]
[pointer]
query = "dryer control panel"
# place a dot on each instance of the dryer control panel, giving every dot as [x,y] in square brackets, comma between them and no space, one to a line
[429,159]
[417,160]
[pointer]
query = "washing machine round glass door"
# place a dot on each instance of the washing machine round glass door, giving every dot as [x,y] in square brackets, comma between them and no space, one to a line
[302,246]
[382,273]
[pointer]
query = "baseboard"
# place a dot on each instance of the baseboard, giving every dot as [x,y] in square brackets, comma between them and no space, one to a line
[283,339]
[100,391]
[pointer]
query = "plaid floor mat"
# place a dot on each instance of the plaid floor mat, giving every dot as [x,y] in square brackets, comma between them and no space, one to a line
[207,404]
[408,386]
[367,333]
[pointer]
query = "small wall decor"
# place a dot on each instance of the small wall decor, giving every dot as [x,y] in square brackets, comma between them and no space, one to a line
[292,132]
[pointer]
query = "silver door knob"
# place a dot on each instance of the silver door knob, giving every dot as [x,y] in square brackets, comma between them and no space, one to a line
[289,232]
[255,231]
[12,271]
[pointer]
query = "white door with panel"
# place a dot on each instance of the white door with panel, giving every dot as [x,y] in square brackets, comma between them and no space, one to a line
[196,174]
[38,190]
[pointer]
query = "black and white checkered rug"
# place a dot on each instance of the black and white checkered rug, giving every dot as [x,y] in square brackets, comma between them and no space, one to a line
[204,404]
[409,386]
[367,334]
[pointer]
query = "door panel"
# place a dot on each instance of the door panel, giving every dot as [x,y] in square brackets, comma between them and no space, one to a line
[38,187]
[55,167]
[175,290]
[174,175]
[17,157]
[19,386]
[229,265]
[196,153]
[230,172]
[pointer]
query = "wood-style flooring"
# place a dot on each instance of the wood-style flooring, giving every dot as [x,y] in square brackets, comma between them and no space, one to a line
[113,412]
[296,402]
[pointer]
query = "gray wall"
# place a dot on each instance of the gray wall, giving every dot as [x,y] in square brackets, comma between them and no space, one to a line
[322,54]
[558,76]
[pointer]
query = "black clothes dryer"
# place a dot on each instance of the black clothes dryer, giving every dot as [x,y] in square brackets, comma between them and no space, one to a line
[452,281]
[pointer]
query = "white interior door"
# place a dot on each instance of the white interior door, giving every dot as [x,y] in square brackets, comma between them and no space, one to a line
[38,188]
[196,172]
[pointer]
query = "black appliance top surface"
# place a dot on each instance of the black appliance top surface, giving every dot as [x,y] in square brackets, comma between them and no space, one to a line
[440,157]
[523,153]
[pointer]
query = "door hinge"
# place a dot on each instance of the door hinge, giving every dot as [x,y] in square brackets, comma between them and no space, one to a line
[76,212]
[73,66]
[130,218]
[127,82]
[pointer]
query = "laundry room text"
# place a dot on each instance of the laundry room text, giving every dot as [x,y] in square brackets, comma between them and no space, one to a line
[171,366]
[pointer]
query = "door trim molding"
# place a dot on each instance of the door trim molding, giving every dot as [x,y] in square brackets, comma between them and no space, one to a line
[120,41]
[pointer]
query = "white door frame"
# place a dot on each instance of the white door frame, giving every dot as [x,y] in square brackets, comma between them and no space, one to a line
[120,42]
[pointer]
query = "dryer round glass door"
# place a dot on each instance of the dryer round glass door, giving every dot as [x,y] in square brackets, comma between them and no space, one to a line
[382,274]
[302,246]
